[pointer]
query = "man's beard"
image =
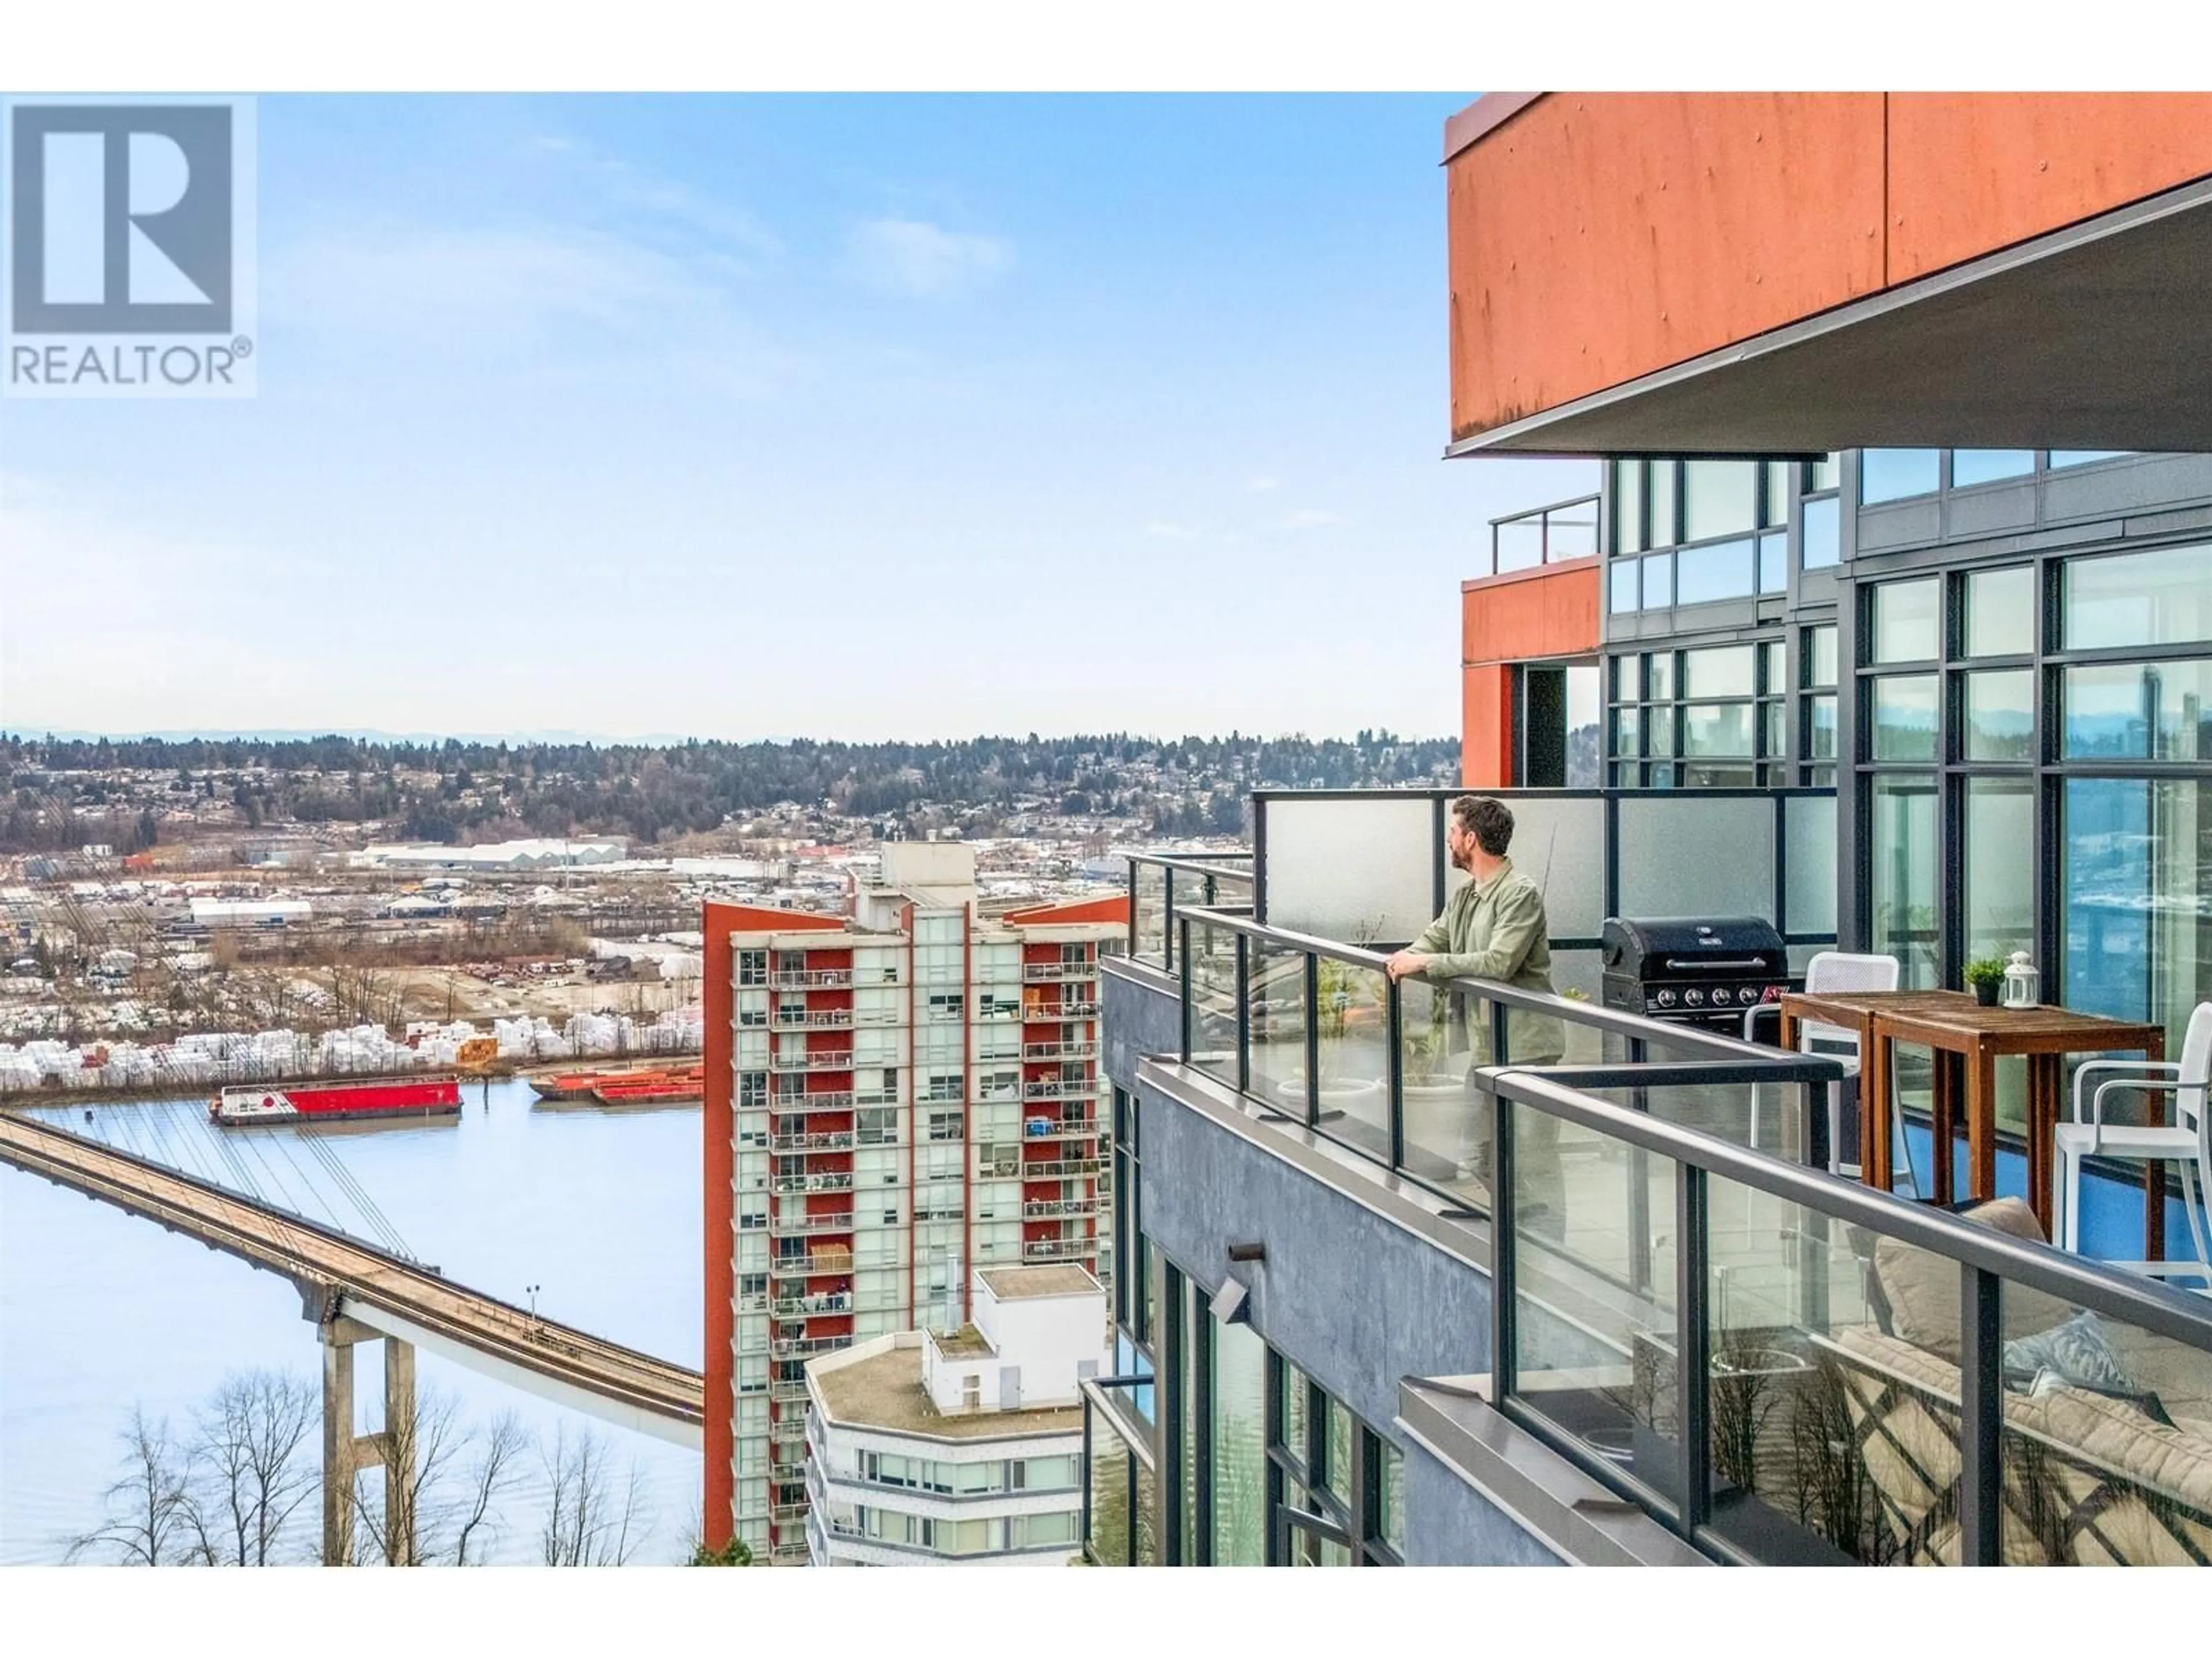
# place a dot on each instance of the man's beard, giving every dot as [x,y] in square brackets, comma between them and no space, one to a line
[1462,860]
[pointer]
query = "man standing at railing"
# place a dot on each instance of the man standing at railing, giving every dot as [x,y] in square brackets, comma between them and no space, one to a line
[1493,927]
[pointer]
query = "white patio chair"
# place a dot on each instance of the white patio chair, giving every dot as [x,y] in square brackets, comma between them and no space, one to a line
[2187,1141]
[1836,971]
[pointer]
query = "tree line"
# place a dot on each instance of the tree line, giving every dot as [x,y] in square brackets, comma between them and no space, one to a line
[464,792]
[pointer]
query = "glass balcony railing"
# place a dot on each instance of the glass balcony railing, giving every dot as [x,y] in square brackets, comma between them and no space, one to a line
[1317,1033]
[1784,1367]
[1542,536]
[1161,884]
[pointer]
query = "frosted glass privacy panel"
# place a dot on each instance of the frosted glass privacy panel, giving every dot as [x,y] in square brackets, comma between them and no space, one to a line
[1351,869]
[1808,894]
[1690,855]
[1559,843]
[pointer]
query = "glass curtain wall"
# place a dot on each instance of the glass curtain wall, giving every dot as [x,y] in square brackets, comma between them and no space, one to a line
[2035,758]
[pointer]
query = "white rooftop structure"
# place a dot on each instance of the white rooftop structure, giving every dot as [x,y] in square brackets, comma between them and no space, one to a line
[493,855]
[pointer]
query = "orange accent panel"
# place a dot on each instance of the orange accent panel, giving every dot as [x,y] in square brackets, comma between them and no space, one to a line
[717,1169]
[1485,756]
[1531,615]
[1970,173]
[1593,238]
[767,919]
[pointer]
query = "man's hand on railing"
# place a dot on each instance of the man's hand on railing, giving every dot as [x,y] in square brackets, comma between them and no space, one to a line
[1402,963]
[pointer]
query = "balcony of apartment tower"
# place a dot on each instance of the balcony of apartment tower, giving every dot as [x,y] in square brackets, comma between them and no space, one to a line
[1438,1267]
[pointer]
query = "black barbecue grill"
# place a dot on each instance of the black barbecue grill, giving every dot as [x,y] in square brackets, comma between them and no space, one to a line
[1694,971]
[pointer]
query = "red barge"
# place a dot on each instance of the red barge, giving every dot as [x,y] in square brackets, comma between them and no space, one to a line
[391,1098]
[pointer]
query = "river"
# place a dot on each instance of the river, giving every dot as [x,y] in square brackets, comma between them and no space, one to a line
[99,1310]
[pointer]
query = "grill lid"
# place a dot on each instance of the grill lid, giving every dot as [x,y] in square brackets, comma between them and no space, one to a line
[1688,947]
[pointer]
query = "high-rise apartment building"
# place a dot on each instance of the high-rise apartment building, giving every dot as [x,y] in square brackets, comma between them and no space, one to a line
[894,1098]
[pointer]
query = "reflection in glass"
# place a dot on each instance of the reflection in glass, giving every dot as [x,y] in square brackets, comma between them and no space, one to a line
[1823,474]
[1830,1440]
[2001,715]
[1901,871]
[2000,619]
[1774,504]
[1977,466]
[1904,717]
[2160,598]
[1659,677]
[1239,1427]
[1628,507]
[1999,870]
[1820,728]
[1659,732]
[1717,499]
[1585,706]
[1822,537]
[1621,586]
[1716,728]
[1663,532]
[1906,621]
[1721,571]
[2084,457]
[1776,741]
[1627,731]
[2140,711]
[1821,657]
[1893,474]
[1658,580]
[2136,874]
[1771,682]
[1725,670]
[1774,562]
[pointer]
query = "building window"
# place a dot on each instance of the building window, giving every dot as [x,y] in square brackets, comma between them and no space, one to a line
[2137,599]
[946,1125]
[2084,457]
[1821,533]
[1980,467]
[752,1091]
[752,967]
[1896,475]
[1999,619]
[752,1014]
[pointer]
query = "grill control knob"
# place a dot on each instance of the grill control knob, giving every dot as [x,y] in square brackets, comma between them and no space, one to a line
[1664,999]
[1746,994]
[1695,997]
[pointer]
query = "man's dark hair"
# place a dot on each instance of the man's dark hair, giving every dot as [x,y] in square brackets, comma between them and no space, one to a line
[1490,821]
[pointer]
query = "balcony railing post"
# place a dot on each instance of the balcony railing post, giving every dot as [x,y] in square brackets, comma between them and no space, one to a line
[1131,864]
[1313,1039]
[1394,1010]
[1243,1014]
[1505,1379]
[1184,968]
[1981,1420]
[1167,890]
[1692,1346]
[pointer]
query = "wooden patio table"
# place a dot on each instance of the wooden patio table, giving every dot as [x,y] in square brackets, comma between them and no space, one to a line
[1956,1028]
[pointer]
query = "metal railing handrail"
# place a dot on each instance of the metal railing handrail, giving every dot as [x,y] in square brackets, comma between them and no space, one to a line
[1595,1016]
[1542,516]
[2132,1297]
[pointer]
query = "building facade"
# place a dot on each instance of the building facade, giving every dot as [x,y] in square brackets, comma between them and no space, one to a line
[960,1446]
[893,1098]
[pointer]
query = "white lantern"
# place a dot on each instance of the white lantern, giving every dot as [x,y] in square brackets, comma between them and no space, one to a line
[2023,986]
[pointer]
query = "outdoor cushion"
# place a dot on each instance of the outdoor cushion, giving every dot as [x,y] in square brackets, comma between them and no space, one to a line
[1922,1289]
[2073,1351]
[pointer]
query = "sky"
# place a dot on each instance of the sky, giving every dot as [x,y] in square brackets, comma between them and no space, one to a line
[859,417]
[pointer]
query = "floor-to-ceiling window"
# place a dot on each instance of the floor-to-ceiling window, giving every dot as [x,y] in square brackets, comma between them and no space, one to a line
[2133,686]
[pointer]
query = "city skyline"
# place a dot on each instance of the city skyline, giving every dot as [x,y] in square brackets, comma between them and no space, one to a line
[548,384]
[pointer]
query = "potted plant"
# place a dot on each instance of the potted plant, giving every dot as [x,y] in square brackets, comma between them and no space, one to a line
[1985,976]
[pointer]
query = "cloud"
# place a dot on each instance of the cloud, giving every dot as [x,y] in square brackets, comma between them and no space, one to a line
[647,200]
[558,301]
[912,256]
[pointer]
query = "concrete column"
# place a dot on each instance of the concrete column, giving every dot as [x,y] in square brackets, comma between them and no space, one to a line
[399,1451]
[337,1446]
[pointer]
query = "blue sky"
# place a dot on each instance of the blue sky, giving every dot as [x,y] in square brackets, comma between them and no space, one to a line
[863,417]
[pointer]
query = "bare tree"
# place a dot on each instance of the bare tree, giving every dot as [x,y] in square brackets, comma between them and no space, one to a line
[494,1468]
[447,1502]
[151,1519]
[252,1451]
[589,1520]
